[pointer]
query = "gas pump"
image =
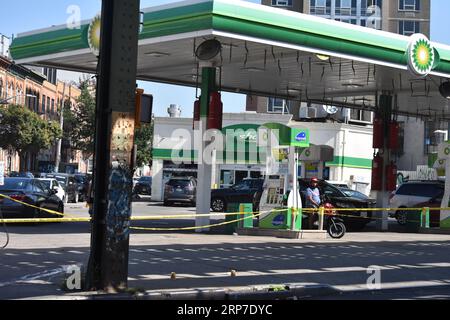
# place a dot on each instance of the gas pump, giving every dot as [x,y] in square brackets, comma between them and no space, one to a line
[280,182]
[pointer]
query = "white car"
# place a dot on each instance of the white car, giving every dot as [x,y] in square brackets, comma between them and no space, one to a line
[53,184]
[409,194]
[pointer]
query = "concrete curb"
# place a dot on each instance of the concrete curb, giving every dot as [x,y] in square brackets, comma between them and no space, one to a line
[282,292]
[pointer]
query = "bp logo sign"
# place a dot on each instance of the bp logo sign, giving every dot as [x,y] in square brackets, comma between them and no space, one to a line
[278,220]
[94,35]
[421,55]
[301,137]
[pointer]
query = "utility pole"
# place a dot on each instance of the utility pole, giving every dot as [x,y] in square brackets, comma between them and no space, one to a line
[114,141]
[61,123]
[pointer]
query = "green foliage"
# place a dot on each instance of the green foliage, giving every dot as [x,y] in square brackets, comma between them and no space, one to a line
[79,128]
[79,122]
[143,140]
[24,131]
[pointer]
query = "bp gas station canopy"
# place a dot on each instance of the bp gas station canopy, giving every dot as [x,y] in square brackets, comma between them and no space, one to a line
[265,51]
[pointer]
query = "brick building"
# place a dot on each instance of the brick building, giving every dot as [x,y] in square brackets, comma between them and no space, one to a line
[23,86]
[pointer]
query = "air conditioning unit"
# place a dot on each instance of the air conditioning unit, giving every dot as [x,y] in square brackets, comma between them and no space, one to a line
[307,112]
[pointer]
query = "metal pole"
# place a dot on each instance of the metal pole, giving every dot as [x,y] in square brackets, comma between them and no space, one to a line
[108,263]
[204,168]
[383,195]
[61,123]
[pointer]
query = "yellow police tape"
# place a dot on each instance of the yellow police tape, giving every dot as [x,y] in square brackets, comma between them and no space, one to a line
[63,217]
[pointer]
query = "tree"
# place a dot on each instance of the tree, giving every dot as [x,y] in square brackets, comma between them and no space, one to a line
[79,128]
[79,122]
[25,132]
[143,139]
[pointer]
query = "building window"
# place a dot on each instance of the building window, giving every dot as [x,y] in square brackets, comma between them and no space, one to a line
[361,116]
[43,104]
[436,132]
[53,107]
[409,5]
[408,28]
[320,7]
[282,3]
[276,105]
[48,104]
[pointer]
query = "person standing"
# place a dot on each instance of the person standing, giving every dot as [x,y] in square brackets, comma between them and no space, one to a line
[313,200]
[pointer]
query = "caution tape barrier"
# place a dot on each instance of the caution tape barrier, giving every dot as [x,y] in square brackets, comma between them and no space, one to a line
[67,218]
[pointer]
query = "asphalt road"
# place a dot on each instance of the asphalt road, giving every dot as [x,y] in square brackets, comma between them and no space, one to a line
[412,266]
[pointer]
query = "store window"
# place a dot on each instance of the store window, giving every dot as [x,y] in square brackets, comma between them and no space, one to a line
[409,5]
[408,28]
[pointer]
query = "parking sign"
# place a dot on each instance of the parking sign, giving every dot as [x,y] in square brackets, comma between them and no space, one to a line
[2,173]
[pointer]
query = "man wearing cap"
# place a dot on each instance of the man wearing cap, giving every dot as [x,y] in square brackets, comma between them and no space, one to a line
[313,199]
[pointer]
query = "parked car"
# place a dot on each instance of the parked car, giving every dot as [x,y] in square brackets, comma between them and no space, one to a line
[53,184]
[30,191]
[69,184]
[412,193]
[182,190]
[143,186]
[246,191]
[339,184]
[15,174]
[355,220]
[354,194]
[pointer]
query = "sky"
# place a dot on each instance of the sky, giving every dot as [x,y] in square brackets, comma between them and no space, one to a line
[26,15]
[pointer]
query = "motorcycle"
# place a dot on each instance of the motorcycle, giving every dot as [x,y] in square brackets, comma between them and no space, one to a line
[335,226]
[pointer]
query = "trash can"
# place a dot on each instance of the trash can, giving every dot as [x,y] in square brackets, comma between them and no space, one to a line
[413,221]
[232,207]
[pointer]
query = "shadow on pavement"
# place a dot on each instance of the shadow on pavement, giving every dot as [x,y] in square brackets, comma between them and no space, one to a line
[25,273]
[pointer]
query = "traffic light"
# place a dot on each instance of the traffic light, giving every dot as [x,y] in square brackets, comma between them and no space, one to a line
[144,108]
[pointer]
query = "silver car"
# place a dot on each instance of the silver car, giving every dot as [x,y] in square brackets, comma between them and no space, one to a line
[181,190]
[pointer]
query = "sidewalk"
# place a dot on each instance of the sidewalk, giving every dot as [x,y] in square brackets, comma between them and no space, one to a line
[208,265]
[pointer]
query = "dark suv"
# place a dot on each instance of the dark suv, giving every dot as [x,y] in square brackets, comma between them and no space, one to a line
[182,190]
[355,220]
[246,191]
[143,186]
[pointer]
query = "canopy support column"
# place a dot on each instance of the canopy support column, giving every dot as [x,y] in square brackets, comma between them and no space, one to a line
[385,106]
[204,160]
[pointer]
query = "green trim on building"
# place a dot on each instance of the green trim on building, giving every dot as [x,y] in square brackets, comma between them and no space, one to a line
[166,154]
[350,162]
[191,155]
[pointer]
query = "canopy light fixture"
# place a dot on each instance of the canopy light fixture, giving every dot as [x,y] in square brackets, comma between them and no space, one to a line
[352,85]
[253,69]
[157,54]
[444,89]
[208,50]
[322,57]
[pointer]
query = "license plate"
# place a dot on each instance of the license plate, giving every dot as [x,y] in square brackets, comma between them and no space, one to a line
[363,214]
[179,190]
